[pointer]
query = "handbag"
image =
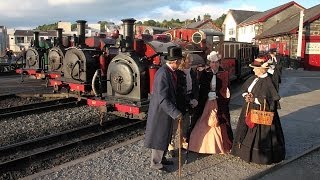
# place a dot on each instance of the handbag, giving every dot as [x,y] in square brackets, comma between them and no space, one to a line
[261,116]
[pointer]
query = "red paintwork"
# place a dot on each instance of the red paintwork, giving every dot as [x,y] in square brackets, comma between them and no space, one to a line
[54,82]
[53,75]
[228,64]
[312,61]
[95,42]
[152,72]
[96,103]
[77,87]
[117,106]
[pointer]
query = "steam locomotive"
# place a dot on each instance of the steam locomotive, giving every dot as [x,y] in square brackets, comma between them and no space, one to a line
[116,72]
[36,58]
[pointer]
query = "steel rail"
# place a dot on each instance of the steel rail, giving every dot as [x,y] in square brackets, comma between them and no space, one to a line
[38,107]
[20,153]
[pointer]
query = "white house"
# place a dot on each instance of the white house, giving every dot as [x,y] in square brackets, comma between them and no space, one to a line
[260,22]
[231,22]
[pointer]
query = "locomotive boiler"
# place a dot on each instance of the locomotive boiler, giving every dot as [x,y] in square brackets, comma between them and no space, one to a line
[56,55]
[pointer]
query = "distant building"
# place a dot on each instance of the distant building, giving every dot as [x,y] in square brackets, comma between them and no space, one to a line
[93,29]
[19,39]
[284,37]
[231,22]
[151,30]
[260,22]
[204,24]
[66,26]
[3,39]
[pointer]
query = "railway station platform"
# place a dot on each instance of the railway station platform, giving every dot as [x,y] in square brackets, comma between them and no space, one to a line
[300,118]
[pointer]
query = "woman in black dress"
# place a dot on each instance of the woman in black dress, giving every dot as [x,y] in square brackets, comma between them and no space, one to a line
[261,144]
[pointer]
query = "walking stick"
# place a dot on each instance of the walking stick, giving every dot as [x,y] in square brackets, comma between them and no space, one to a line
[179,142]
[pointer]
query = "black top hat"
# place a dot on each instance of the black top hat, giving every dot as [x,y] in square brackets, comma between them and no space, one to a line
[174,53]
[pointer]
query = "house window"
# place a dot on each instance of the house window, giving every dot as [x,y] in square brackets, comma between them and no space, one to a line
[231,31]
[19,39]
[29,39]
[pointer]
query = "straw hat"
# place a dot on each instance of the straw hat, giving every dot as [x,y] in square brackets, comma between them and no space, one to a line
[213,56]
[260,63]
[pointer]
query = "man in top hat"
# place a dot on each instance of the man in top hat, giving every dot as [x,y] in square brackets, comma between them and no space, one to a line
[163,110]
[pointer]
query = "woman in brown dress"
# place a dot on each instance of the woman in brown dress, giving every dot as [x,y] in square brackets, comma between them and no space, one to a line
[212,132]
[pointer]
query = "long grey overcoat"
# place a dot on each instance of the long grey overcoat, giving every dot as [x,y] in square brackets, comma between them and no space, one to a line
[162,111]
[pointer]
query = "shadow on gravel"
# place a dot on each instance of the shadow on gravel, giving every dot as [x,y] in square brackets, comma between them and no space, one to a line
[301,129]
[295,82]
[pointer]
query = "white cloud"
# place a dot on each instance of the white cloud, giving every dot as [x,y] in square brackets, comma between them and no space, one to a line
[32,13]
[191,12]
[247,7]
[69,2]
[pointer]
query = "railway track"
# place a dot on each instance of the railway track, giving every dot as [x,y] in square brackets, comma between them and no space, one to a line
[16,156]
[37,107]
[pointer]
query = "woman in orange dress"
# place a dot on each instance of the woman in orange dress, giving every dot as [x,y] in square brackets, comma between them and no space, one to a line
[212,133]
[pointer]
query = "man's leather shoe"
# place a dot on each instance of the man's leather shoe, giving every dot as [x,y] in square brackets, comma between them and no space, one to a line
[166,162]
[164,169]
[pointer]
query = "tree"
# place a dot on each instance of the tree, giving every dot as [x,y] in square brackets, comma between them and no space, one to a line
[47,27]
[103,25]
[199,19]
[73,27]
[220,20]
[206,16]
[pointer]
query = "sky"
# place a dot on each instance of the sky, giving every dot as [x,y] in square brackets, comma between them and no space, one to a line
[28,14]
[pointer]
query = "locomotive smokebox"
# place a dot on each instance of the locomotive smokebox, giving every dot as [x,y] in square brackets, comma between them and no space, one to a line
[81,27]
[128,33]
[59,36]
[36,38]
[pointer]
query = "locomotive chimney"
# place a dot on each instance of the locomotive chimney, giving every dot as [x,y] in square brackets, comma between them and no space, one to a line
[59,36]
[128,33]
[36,38]
[81,26]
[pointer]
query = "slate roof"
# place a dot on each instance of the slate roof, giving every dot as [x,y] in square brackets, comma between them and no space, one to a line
[263,16]
[198,24]
[291,24]
[241,15]
[30,33]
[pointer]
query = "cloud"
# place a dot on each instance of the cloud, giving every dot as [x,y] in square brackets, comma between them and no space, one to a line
[69,2]
[32,13]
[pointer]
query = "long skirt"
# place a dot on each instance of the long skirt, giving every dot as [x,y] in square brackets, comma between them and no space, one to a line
[208,136]
[262,144]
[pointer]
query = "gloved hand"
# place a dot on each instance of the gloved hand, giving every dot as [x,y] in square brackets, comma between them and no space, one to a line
[179,117]
[193,103]
[212,96]
[249,98]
